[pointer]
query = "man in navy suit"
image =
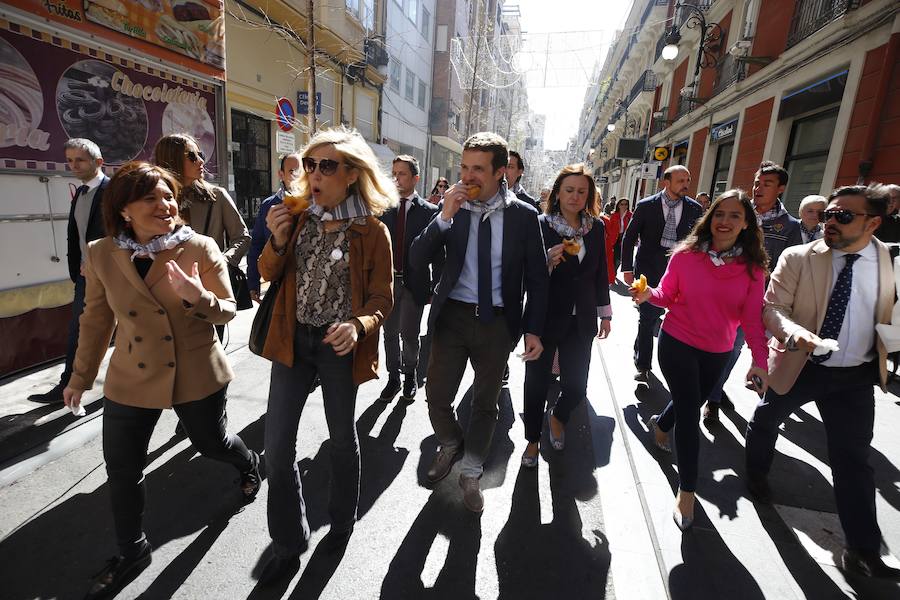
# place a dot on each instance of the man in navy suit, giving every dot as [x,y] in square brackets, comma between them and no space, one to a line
[494,255]
[659,222]
[85,225]
[287,173]
[411,293]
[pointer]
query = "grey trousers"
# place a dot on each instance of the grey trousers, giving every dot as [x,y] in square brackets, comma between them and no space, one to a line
[403,323]
[459,337]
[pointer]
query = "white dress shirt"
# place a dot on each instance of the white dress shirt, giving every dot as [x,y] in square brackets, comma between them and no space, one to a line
[857,337]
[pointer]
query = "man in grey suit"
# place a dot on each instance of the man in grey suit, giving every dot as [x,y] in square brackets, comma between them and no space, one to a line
[85,225]
[494,255]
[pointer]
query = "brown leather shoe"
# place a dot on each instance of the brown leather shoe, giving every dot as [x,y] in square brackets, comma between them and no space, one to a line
[472,496]
[442,463]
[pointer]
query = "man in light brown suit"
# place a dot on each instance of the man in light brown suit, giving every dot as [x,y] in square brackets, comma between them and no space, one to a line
[836,288]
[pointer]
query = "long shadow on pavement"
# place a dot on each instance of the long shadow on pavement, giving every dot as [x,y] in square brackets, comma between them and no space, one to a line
[536,560]
[54,554]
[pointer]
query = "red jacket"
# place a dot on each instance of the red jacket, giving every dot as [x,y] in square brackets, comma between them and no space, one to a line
[614,229]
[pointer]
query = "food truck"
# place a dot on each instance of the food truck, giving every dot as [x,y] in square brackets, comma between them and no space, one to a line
[122,74]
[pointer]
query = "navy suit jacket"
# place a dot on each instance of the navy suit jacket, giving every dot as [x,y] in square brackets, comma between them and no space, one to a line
[579,285]
[95,229]
[258,238]
[647,224]
[523,264]
[418,216]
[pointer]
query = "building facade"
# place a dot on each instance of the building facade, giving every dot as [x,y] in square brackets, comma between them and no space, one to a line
[808,84]
[351,68]
[406,99]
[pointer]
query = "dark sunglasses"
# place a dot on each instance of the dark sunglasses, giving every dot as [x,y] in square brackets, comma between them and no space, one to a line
[195,156]
[844,217]
[443,186]
[326,166]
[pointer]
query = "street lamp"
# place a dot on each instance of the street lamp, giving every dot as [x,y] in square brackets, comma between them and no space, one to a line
[710,38]
[611,127]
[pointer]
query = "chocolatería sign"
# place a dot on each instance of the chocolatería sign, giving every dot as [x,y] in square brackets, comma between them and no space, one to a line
[52,89]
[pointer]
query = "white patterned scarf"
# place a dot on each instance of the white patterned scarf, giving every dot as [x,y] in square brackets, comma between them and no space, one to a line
[166,241]
[352,207]
[559,224]
[670,230]
[776,211]
[718,258]
[485,209]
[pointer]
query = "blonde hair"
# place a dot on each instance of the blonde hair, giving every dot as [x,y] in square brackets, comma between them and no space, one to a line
[372,185]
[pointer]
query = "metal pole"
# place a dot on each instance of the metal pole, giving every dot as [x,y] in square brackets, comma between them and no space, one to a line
[474,73]
[311,45]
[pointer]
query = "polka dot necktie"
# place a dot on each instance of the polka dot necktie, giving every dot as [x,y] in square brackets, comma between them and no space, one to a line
[837,306]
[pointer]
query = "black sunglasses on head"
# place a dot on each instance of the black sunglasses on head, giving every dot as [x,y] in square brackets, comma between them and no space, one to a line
[326,166]
[195,156]
[842,216]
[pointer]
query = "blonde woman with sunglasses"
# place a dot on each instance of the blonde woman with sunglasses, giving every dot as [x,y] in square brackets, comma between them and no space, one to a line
[335,265]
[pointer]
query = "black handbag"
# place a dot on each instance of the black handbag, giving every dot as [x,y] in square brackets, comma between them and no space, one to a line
[239,287]
[238,278]
[260,328]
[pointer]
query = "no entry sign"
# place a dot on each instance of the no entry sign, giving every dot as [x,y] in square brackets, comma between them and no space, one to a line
[284,111]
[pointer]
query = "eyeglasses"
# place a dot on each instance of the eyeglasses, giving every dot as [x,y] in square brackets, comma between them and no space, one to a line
[844,217]
[442,186]
[326,166]
[195,156]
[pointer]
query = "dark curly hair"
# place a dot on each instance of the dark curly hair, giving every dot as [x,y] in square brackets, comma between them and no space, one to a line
[132,182]
[749,239]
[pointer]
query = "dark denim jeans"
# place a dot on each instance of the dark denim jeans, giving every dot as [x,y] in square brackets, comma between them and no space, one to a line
[648,317]
[715,396]
[126,436]
[72,344]
[288,391]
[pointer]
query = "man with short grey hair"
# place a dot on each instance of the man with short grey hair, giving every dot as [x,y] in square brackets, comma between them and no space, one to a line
[85,225]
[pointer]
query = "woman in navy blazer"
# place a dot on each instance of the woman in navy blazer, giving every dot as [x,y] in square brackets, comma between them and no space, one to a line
[575,239]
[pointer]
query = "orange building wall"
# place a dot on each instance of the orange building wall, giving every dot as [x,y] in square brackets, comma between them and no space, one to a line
[772,29]
[886,167]
[695,158]
[675,93]
[752,143]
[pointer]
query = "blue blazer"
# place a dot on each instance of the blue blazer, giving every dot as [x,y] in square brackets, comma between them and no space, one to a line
[647,224]
[258,238]
[579,285]
[523,265]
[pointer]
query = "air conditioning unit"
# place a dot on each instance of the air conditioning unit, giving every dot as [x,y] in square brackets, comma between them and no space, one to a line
[741,48]
[376,53]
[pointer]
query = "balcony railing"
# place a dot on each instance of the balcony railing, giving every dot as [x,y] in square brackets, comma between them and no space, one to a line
[660,125]
[685,104]
[730,71]
[645,83]
[812,15]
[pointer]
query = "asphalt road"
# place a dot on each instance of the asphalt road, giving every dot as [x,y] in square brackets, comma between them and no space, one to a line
[591,522]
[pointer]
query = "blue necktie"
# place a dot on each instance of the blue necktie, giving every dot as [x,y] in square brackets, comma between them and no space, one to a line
[485,271]
[837,306]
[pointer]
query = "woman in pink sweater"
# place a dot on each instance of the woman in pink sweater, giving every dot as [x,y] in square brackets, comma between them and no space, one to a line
[713,284]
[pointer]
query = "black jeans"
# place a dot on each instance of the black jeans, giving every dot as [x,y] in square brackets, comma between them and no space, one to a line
[846,401]
[648,317]
[126,436]
[288,391]
[72,343]
[574,362]
[691,374]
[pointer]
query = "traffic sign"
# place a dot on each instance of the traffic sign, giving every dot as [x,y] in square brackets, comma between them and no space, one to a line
[661,153]
[303,103]
[284,113]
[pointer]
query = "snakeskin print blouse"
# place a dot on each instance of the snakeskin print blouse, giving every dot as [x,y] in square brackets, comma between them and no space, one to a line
[323,273]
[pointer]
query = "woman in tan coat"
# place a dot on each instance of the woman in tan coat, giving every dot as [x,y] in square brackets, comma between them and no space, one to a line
[335,267]
[161,287]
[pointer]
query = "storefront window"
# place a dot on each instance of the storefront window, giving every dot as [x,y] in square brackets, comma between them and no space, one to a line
[723,167]
[252,163]
[807,154]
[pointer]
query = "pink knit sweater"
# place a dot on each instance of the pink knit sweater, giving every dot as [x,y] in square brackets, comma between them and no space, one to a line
[707,303]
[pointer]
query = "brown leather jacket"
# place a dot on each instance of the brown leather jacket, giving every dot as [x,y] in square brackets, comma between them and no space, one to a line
[371,294]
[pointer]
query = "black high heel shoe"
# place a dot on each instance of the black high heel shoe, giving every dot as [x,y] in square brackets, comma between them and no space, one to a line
[251,480]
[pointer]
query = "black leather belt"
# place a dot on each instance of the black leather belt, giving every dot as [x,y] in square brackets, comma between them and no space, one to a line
[498,310]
